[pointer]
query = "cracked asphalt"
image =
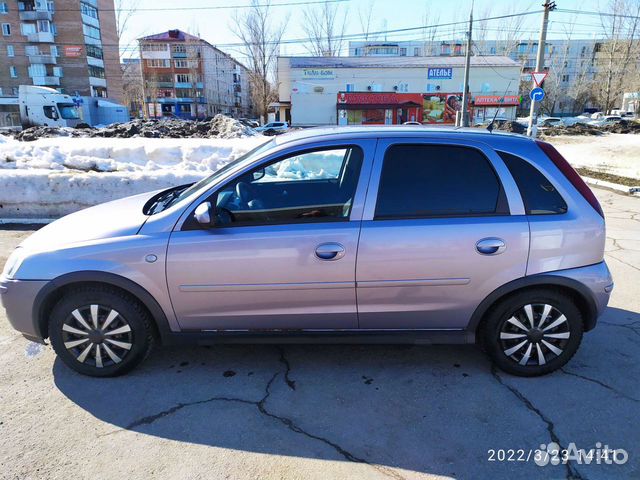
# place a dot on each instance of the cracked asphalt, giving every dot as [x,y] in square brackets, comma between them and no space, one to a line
[257,412]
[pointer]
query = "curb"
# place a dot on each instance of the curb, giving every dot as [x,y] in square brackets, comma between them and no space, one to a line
[635,191]
[26,221]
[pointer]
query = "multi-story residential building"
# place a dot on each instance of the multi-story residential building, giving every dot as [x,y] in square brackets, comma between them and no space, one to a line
[187,77]
[69,45]
[572,63]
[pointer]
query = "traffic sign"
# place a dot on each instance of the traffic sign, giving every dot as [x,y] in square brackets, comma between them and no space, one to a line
[536,94]
[538,77]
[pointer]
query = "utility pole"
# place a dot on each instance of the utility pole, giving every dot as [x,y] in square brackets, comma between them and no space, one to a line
[464,118]
[548,6]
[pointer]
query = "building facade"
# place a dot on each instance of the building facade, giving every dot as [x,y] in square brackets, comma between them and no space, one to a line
[572,64]
[69,45]
[187,77]
[393,90]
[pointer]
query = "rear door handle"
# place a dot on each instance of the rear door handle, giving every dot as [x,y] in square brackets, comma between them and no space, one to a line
[330,251]
[491,246]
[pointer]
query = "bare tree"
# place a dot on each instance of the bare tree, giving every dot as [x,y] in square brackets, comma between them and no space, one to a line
[133,87]
[325,28]
[430,18]
[365,14]
[125,9]
[617,56]
[261,39]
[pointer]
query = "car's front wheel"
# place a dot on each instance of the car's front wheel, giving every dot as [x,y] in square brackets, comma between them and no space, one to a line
[533,332]
[100,331]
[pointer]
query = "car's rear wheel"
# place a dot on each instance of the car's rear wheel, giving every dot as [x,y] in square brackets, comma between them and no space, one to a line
[100,331]
[533,332]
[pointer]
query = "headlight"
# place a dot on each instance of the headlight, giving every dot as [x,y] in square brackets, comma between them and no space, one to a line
[13,263]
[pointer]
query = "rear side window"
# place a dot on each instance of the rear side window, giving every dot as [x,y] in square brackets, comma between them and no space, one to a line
[437,181]
[538,194]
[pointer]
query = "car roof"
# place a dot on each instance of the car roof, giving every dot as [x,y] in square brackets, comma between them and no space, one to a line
[359,131]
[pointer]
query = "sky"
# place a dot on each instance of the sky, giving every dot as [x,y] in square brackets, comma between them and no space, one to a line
[216,25]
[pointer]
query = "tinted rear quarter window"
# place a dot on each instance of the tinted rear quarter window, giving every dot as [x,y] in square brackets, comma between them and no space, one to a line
[538,194]
[437,181]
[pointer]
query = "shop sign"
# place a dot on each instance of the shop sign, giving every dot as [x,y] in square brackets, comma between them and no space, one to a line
[434,73]
[72,51]
[495,100]
[364,98]
[318,73]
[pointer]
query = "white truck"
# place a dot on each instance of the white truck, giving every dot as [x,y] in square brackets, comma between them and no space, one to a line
[38,106]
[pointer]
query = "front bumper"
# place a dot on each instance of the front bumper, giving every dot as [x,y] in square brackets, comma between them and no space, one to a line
[17,297]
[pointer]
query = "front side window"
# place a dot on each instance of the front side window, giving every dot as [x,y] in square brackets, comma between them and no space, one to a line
[421,181]
[538,194]
[50,112]
[68,111]
[315,186]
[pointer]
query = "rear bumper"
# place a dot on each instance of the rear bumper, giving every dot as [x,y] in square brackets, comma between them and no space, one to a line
[17,297]
[597,281]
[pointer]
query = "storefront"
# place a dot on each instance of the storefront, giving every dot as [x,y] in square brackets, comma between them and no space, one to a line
[377,108]
[486,107]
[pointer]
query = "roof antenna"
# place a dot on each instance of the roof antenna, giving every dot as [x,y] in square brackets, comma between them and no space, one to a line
[490,126]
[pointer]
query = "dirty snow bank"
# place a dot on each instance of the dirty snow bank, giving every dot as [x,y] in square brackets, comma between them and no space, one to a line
[618,154]
[51,177]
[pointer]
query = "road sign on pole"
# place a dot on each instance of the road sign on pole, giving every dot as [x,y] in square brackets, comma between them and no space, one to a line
[536,94]
[538,77]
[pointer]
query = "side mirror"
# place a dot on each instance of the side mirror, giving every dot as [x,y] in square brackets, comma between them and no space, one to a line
[204,215]
[258,174]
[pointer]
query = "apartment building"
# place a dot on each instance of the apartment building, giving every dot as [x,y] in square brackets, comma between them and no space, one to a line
[572,62]
[187,77]
[69,45]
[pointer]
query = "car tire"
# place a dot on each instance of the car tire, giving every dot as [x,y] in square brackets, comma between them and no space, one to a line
[100,331]
[533,332]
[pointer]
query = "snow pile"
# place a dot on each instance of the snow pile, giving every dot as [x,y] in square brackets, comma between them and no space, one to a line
[617,154]
[219,126]
[51,177]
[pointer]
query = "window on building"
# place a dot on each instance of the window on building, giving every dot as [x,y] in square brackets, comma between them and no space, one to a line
[565,78]
[4,8]
[57,72]
[91,32]
[14,91]
[37,70]
[32,50]
[403,52]
[99,92]
[44,26]
[351,87]
[53,49]
[51,6]
[416,51]
[180,63]
[158,63]
[492,50]
[88,10]
[6,29]
[1,93]
[97,72]
[523,48]
[54,29]
[27,28]
[538,194]
[13,73]
[420,181]
[445,49]
[94,51]
[10,51]
[183,78]
[179,48]
[154,47]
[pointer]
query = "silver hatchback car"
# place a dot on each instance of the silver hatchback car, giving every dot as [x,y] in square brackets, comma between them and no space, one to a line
[391,234]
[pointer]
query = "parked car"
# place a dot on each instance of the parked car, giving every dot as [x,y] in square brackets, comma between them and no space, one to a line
[606,120]
[249,123]
[351,234]
[550,122]
[412,122]
[273,128]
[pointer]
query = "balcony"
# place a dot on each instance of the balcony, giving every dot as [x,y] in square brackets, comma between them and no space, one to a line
[41,37]
[97,82]
[47,81]
[179,55]
[35,15]
[43,59]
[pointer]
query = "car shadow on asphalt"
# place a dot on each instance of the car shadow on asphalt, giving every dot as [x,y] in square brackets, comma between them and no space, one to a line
[418,408]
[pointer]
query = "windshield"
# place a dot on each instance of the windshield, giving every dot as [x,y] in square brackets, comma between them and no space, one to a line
[175,194]
[68,111]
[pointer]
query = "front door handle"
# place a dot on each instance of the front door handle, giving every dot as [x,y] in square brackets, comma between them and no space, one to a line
[330,251]
[491,246]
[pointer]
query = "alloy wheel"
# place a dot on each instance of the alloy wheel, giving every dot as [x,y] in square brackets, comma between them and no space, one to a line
[534,334]
[97,335]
